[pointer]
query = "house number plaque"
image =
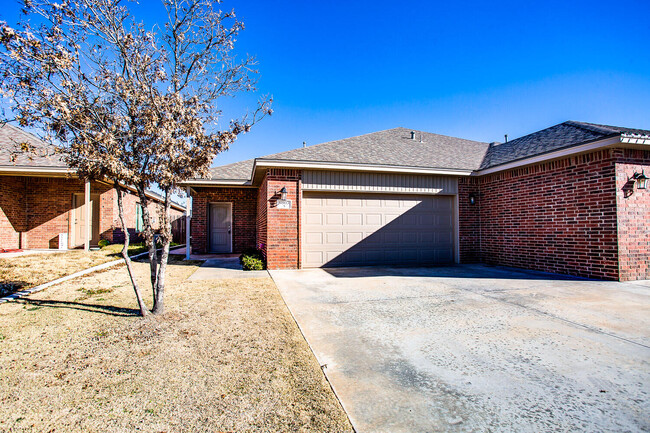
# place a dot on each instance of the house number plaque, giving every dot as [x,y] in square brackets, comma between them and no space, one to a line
[283,204]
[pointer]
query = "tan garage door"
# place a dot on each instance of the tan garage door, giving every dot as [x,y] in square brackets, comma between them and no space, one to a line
[376,229]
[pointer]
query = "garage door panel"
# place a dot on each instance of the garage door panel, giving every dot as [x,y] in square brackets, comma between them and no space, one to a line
[335,238]
[314,238]
[334,218]
[354,202]
[354,219]
[314,218]
[347,229]
[373,219]
[354,237]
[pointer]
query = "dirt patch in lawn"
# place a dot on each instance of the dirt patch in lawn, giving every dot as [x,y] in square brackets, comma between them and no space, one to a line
[226,356]
[19,273]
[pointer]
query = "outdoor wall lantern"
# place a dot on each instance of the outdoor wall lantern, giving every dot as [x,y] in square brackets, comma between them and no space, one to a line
[283,193]
[641,180]
[472,199]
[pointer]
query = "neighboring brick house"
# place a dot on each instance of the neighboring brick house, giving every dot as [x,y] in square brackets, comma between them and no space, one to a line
[560,200]
[41,198]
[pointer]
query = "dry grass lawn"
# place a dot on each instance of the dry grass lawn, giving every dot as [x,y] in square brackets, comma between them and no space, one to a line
[31,270]
[226,357]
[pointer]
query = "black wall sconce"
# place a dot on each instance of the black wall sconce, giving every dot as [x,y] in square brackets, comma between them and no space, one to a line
[283,193]
[472,199]
[641,180]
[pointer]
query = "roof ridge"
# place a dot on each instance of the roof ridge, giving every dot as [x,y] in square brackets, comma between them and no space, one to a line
[594,127]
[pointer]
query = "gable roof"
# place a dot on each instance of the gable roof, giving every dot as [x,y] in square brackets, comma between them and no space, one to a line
[562,136]
[43,155]
[391,147]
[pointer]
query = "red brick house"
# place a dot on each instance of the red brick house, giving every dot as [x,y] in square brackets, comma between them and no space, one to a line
[564,200]
[40,198]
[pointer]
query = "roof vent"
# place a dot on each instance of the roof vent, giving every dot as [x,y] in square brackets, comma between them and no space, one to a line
[304,144]
[506,135]
[412,135]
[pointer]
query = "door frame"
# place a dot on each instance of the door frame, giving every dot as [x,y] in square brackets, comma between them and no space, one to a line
[229,203]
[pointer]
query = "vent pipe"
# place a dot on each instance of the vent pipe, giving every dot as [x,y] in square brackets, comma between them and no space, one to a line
[506,137]
[304,144]
[412,135]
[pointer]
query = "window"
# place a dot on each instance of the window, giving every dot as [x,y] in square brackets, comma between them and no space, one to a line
[139,223]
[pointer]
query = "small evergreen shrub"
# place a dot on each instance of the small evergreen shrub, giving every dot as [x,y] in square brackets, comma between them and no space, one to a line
[252,260]
[103,243]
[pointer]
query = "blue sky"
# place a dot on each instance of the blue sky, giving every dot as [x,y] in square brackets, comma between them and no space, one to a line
[475,70]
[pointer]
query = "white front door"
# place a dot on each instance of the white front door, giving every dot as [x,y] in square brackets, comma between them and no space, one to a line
[79,219]
[220,227]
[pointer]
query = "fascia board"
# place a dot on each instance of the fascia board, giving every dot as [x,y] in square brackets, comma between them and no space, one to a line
[264,163]
[35,171]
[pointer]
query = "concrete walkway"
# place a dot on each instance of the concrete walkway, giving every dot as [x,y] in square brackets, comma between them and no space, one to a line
[224,268]
[477,349]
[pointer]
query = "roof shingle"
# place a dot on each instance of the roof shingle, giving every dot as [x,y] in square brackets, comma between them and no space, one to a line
[562,136]
[42,154]
[392,147]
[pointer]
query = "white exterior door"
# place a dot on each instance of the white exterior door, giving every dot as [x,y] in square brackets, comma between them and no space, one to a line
[348,229]
[220,221]
[79,219]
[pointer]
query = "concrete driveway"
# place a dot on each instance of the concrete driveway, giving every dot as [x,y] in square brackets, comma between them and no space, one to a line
[475,348]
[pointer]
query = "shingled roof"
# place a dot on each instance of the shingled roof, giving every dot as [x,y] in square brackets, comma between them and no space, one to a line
[392,147]
[562,136]
[41,155]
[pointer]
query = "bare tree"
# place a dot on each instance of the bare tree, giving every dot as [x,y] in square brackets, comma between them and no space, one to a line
[133,105]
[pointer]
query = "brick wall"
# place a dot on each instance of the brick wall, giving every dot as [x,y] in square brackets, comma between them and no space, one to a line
[469,229]
[34,210]
[283,225]
[48,202]
[13,219]
[244,215]
[558,217]
[633,215]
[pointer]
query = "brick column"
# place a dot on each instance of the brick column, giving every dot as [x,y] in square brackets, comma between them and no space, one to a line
[282,225]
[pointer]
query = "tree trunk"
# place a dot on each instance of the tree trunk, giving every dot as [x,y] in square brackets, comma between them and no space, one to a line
[165,236]
[125,253]
[149,237]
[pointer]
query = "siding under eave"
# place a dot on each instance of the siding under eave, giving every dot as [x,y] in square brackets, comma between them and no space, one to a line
[320,180]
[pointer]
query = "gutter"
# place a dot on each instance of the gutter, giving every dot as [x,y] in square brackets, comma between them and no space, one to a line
[349,166]
[42,171]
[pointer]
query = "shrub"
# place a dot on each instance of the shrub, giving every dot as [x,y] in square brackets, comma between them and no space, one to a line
[252,264]
[103,243]
[252,260]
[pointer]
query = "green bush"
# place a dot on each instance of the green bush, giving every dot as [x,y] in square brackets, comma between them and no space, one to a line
[252,264]
[103,243]
[252,260]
